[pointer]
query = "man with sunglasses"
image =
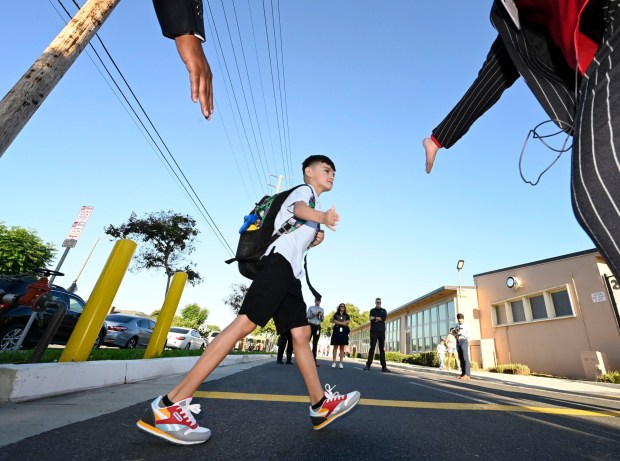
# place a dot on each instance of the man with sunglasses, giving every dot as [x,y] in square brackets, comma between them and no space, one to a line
[377,334]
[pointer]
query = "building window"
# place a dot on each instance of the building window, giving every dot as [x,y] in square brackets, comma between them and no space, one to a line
[561,303]
[518,313]
[534,307]
[539,311]
[500,315]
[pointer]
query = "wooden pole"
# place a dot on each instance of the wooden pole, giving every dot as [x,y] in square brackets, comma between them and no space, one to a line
[22,101]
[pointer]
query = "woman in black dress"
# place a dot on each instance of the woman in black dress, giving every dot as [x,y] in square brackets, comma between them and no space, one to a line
[340,334]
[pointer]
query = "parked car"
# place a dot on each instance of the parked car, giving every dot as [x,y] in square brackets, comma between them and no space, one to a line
[185,338]
[211,336]
[13,319]
[128,331]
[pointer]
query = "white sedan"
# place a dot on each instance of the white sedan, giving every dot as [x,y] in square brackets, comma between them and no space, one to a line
[185,338]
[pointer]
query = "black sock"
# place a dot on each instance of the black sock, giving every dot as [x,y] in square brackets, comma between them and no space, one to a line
[317,405]
[166,401]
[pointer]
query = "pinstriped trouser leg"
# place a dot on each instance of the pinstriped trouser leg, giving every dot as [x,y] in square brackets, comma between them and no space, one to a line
[595,178]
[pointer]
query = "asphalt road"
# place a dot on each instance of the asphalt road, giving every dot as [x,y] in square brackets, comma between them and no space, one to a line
[403,415]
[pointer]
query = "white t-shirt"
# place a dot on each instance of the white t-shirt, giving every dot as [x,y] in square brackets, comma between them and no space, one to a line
[293,245]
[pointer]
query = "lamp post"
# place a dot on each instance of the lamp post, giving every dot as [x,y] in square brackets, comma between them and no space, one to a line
[459,266]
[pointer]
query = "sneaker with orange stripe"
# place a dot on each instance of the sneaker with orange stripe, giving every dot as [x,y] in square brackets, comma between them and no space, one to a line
[334,406]
[175,423]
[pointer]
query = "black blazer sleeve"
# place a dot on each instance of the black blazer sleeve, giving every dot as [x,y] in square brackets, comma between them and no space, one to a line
[496,75]
[180,17]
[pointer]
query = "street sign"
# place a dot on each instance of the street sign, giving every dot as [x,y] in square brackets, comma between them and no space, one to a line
[78,225]
[69,243]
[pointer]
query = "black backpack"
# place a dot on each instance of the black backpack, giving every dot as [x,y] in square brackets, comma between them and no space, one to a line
[257,231]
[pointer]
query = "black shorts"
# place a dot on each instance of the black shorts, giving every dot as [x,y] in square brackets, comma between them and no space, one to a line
[275,293]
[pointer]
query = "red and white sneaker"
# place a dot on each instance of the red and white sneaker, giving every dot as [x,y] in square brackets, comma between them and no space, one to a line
[334,406]
[175,423]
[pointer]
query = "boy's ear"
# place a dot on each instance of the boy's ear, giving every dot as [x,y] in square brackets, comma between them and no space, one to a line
[308,172]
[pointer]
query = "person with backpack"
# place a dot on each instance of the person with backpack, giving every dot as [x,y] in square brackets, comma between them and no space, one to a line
[275,293]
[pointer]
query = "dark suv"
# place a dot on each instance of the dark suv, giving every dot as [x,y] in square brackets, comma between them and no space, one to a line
[13,319]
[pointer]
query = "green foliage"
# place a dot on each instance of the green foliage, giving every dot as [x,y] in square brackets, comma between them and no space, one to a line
[357,318]
[267,330]
[610,377]
[192,316]
[510,368]
[235,300]
[22,250]
[213,328]
[167,239]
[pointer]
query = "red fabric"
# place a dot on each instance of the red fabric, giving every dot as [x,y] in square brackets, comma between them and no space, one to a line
[561,18]
[435,141]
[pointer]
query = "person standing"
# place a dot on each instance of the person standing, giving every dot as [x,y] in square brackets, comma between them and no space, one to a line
[377,334]
[285,341]
[315,316]
[451,350]
[340,333]
[441,353]
[462,346]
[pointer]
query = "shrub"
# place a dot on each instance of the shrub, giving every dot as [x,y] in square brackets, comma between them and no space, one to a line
[611,377]
[511,369]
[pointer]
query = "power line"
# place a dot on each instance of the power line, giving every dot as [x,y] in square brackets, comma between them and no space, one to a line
[186,183]
[273,87]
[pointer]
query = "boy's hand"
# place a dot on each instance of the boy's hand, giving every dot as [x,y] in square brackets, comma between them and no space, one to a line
[320,236]
[200,76]
[331,218]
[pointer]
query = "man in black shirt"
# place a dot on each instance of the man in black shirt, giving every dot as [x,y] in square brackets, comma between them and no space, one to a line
[377,333]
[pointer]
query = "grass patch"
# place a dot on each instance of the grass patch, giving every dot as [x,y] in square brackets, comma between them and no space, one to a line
[52,355]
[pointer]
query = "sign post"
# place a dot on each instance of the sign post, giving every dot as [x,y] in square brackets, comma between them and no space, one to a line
[74,235]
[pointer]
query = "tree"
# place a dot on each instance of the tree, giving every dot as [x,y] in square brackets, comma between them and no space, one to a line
[22,250]
[192,316]
[235,299]
[357,318]
[168,239]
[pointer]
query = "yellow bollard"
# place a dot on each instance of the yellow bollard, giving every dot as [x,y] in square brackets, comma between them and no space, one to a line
[87,328]
[168,309]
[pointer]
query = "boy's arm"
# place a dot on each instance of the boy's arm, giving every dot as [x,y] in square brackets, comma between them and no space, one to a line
[303,211]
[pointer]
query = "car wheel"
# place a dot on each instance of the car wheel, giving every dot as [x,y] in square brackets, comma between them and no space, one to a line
[202,346]
[99,341]
[189,346]
[9,337]
[132,343]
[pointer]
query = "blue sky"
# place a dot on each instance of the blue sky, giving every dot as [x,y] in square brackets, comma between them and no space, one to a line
[366,81]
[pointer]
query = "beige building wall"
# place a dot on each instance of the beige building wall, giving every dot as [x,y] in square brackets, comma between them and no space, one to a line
[571,284]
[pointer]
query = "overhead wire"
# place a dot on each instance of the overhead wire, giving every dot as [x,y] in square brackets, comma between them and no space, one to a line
[185,183]
[247,73]
[262,86]
[287,130]
[245,98]
[274,93]
[219,42]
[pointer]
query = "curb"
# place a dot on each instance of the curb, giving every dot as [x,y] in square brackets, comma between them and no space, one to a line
[20,383]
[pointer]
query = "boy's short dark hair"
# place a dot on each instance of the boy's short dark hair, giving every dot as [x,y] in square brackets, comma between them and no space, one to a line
[460,316]
[317,158]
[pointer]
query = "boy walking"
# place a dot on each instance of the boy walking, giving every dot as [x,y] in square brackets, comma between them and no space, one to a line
[274,293]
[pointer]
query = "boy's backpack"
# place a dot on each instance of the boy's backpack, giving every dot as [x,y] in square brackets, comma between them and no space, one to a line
[257,231]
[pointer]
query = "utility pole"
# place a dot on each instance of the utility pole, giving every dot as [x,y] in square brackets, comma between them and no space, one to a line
[22,101]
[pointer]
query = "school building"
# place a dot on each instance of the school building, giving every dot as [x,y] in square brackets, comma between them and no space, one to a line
[558,316]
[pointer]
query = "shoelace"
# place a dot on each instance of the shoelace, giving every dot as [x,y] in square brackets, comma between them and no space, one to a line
[188,410]
[330,395]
